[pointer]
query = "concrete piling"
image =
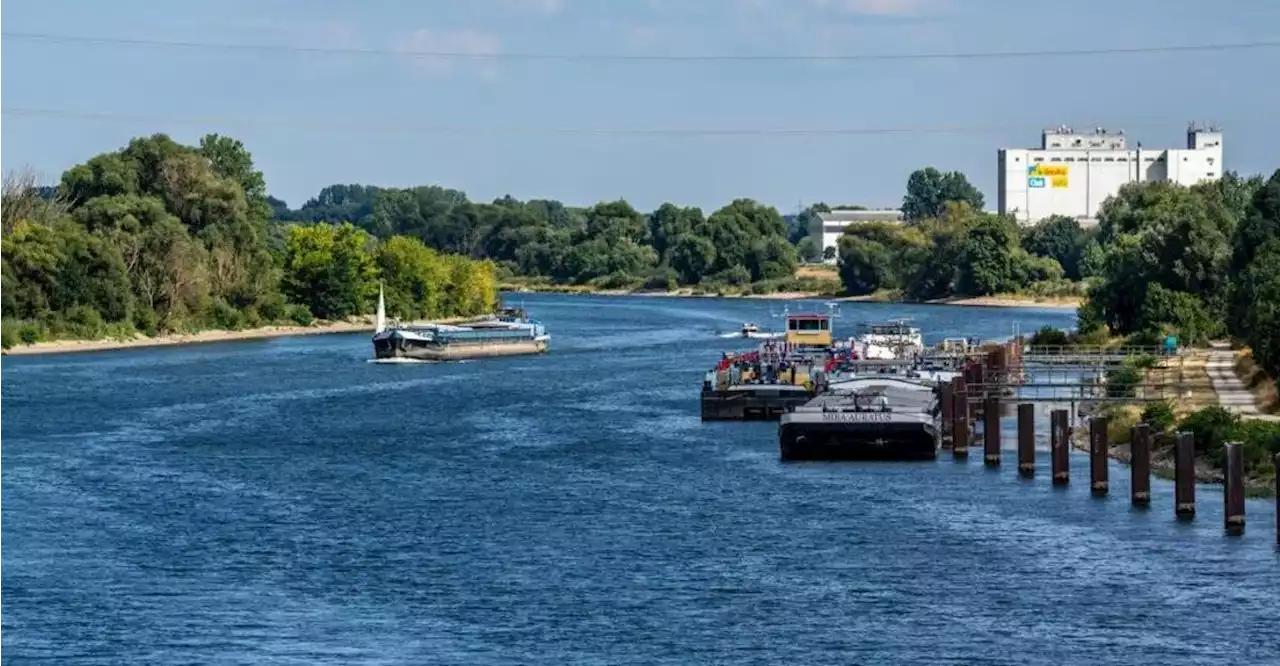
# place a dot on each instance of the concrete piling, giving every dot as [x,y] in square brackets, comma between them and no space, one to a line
[1140,464]
[1233,489]
[1060,446]
[948,404]
[1027,439]
[1099,447]
[1184,473]
[991,431]
[960,432]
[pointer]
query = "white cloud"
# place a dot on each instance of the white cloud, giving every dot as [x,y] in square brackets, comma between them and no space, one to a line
[547,7]
[464,42]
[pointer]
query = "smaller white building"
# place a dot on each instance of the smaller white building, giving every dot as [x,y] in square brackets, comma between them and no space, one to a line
[830,226]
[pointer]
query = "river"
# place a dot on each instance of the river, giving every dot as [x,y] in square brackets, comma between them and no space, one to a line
[288,502]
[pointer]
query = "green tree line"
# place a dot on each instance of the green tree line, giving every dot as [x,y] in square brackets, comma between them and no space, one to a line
[161,237]
[608,245]
[948,247]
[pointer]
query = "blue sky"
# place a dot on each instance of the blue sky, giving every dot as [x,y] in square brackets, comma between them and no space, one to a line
[313,119]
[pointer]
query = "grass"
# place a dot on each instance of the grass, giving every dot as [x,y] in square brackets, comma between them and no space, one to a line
[1259,383]
[1185,380]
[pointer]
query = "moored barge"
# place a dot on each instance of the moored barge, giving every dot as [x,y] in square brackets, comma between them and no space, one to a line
[871,417]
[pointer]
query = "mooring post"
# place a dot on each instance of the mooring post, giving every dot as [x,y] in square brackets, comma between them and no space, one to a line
[1140,464]
[1027,439]
[1099,447]
[1060,447]
[948,405]
[1276,461]
[960,433]
[1184,476]
[1233,489]
[991,431]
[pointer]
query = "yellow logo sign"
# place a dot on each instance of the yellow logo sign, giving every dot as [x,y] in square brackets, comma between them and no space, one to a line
[1056,175]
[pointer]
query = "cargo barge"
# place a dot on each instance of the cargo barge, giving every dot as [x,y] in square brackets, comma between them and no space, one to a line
[510,332]
[869,417]
[781,374]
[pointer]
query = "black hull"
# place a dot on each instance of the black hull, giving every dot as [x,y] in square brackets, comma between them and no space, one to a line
[840,442]
[750,406]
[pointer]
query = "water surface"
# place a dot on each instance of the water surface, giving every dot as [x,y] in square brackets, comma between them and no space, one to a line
[288,502]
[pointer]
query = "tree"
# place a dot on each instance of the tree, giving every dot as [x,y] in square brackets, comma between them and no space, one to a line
[1162,234]
[668,223]
[1059,238]
[929,190]
[691,257]
[330,269]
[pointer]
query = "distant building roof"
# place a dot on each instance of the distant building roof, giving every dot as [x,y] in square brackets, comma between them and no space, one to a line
[851,216]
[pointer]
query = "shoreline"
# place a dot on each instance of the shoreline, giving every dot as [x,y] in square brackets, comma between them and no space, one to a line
[356,325]
[201,337]
[975,301]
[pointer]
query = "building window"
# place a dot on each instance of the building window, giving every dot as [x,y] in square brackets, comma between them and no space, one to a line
[1039,159]
[1097,159]
[1111,159]
[1151,159]
[1210,174]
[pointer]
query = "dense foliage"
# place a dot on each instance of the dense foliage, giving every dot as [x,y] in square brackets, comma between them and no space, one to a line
[159,237]
[607,245]
[1199,262]
[960,252]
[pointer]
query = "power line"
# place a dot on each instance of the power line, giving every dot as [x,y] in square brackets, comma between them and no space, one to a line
[365,126]
[606,57]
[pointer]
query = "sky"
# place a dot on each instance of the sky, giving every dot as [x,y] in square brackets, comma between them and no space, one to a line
[585,130]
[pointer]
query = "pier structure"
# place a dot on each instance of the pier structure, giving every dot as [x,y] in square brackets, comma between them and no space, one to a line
[974,383]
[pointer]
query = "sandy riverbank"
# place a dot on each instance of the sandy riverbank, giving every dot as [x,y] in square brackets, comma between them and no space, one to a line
[983,301]
[69,346]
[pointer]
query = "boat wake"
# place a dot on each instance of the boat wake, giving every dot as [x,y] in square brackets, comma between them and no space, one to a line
[760,335]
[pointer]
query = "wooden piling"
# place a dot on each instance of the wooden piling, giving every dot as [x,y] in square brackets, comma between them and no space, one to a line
[991,431]
[960,424]
[1140,464]
[948,404]
[1060,446]
[1184,476]
[1027,439]
[1099,447]
[1233,489]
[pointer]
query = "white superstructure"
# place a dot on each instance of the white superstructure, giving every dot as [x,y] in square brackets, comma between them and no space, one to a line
[1072,173]
[830,226]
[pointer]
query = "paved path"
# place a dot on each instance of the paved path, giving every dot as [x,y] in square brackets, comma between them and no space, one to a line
[1232,393]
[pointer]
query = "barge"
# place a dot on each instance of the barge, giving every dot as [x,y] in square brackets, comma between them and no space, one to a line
[781,374]
[869,417]
[510,332]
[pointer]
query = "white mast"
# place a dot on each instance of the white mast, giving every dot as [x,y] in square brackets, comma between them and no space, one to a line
[381,324]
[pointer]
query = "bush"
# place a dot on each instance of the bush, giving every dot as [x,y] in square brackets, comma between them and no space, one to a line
[273,308]
[1212,427]
[1147,338]
[225,316]
[30,332]
[1048,336]
[614,280]
[300,314]
[9,333]
[147,321]
[82,321]
[662,280]
[1122,380]
[1142,362]
[1160,416]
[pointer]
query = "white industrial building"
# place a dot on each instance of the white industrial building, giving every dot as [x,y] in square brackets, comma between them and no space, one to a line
[1072,173]
[830,226]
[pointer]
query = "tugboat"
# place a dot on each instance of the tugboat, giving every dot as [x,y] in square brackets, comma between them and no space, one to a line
[870,417]
[510,332]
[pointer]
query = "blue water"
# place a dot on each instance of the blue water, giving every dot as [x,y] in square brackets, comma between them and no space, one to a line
[288,502]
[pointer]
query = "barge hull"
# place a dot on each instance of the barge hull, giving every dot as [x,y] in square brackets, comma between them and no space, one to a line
[840,442]
[395,348]
[744,406]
